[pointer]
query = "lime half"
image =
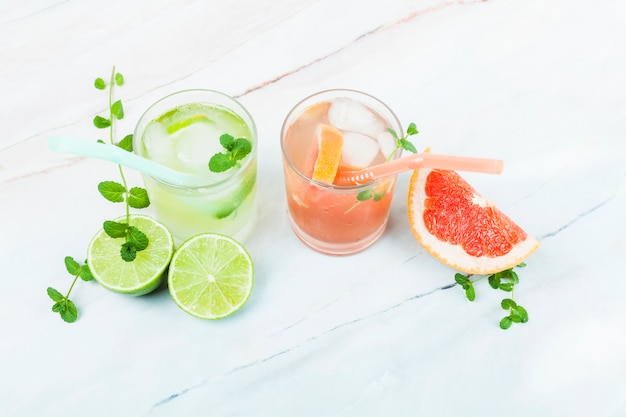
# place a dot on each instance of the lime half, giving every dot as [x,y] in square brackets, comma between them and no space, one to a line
[140,276]
[211,276]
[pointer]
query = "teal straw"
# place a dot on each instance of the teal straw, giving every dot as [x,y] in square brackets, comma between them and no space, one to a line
[120,156]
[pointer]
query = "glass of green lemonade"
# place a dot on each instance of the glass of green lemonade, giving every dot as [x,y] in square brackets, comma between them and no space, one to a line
[182,131]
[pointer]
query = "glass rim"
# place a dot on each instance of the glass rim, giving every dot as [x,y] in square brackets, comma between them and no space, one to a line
[252,126]
[286,125]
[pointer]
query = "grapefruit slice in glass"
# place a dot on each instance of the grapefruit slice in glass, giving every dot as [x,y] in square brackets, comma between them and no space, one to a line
[330,144]
[462,229]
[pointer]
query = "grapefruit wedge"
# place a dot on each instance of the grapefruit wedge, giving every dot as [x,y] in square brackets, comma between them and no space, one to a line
[330,144]
[459,227]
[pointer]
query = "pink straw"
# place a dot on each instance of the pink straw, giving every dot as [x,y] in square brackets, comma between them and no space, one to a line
[421,160]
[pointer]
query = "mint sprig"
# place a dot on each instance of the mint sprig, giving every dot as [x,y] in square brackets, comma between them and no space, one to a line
[134,239]
[365,195]
[115,192]
[403,142]
[504,281]
[369,194]
[236,150]
[517,313]
[62,303]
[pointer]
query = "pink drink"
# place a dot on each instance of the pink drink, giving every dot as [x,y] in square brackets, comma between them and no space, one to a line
[331,218]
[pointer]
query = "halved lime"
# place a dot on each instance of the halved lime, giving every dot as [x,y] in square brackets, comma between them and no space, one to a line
[140,276]
[211,276]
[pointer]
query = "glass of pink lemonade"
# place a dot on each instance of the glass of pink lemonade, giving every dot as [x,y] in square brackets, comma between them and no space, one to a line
[332,218]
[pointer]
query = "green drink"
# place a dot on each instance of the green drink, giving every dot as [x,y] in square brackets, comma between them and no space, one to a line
[182,131]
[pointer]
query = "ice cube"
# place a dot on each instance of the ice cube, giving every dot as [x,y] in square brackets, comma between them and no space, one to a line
[358,151]
[196,144]
[350,115]
[159,146]
[387,143]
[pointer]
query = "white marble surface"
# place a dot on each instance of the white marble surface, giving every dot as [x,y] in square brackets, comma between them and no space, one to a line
[538,83]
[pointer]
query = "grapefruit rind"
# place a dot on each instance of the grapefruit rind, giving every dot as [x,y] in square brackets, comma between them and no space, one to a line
[452,255]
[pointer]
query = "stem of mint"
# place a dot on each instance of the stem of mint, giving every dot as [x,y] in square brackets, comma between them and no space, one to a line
[112,82]
[135,240]
[403,142]
[62,303]
[135,197]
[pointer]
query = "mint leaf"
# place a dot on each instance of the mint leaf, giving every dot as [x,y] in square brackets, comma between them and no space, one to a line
[71,265]
[461,279]
[470,293]
[508,303]
[126,143]
[137,238]
[236,149]
[117,110]
[227,141]
[393,133]
[519,312]
[128,252]
[119,79]
[378,195]
[115,229]
[505,323]
[364,195]
[494,281]
[240,148]
[70,313]
[138,198]
[408,146]
[101,123]
[59,306]
[412,130]
[112,191]
[467,284]
[220,162]
[99,84]
[55,295]
[85,273]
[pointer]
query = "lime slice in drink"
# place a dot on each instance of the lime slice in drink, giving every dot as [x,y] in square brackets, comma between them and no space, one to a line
[140,276]
[211,276]
[227,206]
[176,126]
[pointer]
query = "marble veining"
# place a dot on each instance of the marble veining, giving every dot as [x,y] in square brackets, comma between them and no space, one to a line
[384,26]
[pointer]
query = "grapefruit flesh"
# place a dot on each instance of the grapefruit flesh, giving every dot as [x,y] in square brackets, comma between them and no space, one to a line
[459,227]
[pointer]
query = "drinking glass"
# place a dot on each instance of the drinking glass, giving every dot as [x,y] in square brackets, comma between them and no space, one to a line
[338,219]
[183,131]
